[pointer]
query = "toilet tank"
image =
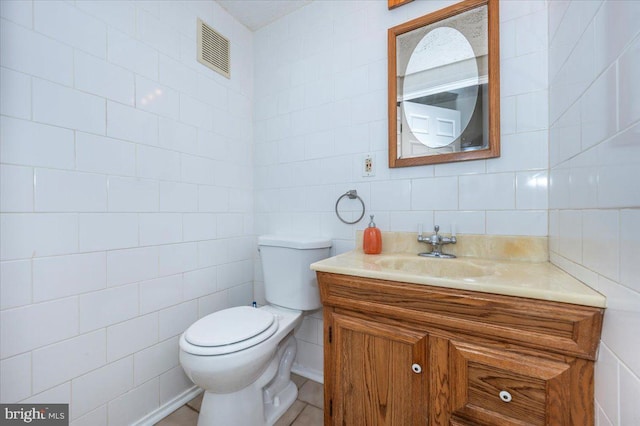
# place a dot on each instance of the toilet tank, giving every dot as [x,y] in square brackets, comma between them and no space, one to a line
[288,281]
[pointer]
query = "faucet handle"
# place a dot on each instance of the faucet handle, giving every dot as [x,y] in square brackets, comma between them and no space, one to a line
[436,228]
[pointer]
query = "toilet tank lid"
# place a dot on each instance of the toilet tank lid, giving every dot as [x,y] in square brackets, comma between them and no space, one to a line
[295,242]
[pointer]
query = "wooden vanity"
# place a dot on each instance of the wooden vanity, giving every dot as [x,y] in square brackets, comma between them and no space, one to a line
[402,353]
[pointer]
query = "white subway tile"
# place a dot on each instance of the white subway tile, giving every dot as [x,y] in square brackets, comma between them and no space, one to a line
[212,303]
[158,163]
[160,228]
[598,109]
[233,274]
[178,136]
[196,113]
[29,327]
[16,188]
[521,151]
[570,234]
[99,154]
[155,360]
[100,386]
[28,143]
[173,382]
[616,24]
[601,242]
[629,395]
[156,98]
[49,59]
[199,226]
[107,231]
[131,265]
[18,11]
[15,284]
[155,33]
[62,21]
[58,395]
[197,169]
[38,234]
[63,361]
[177,258]
[628,85]
[584,187]
[617,163]
[241,295]
[532,111]
[390,195]
[178,76]
[133,195]
[62,191]
[606,383]
[174,320]
[630,248]
[531,32]
[135,404]
[60,276]
[124,122]
[199,283]
[241,248]
[517,222]
[178,197]
[425,192]
[65,107]
[466,222]
[229,225]
[101,78]
[121,15]
[495,191]
[212,93]
[531,191]
[131,54]
[131,336]
[522,74]
[213,252]
[100,309]
[160,293]
[16,378]
[16,93]
[97,417]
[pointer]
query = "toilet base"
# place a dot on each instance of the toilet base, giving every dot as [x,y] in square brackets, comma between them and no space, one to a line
[281,403]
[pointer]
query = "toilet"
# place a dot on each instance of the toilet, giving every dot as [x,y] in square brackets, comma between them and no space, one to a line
[242,356]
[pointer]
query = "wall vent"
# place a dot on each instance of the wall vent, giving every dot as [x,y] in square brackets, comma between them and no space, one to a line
[213,49]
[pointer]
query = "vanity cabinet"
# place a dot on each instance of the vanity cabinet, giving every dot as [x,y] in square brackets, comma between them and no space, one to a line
[411,354]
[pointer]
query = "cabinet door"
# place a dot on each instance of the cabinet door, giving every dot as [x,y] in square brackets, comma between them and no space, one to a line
[493,387]
[379,374]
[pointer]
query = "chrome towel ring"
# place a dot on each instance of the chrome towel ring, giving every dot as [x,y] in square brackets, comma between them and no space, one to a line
[352,194]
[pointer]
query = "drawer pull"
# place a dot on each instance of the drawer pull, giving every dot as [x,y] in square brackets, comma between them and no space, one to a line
[416,368]
[505,396]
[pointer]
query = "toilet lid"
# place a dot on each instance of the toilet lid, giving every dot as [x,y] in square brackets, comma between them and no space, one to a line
[229,326]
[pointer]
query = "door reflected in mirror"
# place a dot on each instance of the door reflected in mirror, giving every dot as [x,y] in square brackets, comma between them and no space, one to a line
[444,86]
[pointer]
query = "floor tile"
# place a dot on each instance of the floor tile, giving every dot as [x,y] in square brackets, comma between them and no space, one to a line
[312,393]
[183,416]
[298,380]
[291,414]
[196,402]
[310,416]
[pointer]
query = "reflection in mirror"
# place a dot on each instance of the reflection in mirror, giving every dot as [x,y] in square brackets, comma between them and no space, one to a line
[444,86]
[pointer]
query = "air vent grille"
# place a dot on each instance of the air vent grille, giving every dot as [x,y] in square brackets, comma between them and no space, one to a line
[213,49]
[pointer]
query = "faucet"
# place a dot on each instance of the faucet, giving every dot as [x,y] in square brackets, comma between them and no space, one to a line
[436,241]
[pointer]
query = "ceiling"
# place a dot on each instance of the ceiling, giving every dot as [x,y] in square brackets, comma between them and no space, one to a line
[255,14]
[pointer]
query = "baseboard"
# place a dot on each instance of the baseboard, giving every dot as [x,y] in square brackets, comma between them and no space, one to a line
[163,411]
[309,373]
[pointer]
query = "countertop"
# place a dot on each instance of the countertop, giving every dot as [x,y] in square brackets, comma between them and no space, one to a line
[537,280]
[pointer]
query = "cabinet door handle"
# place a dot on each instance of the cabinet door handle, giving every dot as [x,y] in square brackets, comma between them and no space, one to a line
[505,396]
[416,368]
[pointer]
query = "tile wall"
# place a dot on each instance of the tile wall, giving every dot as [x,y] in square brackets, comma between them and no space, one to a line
[126,198]
[594,198]
[321,105]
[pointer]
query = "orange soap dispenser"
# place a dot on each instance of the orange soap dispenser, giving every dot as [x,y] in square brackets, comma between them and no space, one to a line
[372,239]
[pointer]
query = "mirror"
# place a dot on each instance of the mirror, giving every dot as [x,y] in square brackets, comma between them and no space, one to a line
[444,86]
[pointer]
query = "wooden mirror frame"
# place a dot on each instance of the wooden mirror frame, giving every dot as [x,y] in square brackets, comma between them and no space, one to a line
[493,150]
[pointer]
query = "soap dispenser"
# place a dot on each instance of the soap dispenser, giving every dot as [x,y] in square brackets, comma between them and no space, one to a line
[372,239]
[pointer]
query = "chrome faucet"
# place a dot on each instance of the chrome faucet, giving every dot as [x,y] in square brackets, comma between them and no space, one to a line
[436,241]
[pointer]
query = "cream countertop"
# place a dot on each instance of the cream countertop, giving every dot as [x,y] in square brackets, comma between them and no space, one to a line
[537,280]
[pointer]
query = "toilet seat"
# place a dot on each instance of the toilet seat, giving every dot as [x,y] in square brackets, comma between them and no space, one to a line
[230,330]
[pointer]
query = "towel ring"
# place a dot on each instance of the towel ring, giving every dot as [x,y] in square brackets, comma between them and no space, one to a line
[352,194]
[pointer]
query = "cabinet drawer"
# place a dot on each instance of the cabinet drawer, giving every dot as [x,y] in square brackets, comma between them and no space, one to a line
[492,387]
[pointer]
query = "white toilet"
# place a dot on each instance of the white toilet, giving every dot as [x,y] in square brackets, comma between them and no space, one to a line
[242,356]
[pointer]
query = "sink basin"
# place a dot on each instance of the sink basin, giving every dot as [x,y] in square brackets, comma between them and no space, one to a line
[440,268]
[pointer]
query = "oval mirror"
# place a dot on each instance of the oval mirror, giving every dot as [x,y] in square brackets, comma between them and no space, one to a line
[444,86]
[439,90]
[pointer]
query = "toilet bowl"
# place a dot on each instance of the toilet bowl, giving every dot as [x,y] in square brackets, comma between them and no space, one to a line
[242,356]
